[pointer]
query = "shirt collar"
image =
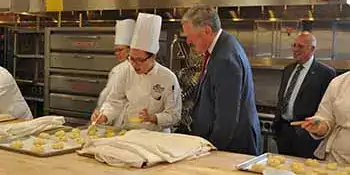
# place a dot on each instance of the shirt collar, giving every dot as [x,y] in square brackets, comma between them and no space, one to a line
[308,63]
[212,45]
[154,70]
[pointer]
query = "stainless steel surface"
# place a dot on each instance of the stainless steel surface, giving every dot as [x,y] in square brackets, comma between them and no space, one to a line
[72,102]
[82,61]
[83,5]
[80,85]
[245,166]
[91,42]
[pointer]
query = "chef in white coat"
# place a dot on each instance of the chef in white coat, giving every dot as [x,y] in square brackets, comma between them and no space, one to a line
[144,89]
[11,99]
[124,30]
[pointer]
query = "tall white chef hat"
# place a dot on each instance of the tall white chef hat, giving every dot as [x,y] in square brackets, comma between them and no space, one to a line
[146,34]
[124,30]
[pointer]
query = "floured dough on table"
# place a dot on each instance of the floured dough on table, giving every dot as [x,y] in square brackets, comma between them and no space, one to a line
[39,141]
[312,162]
[44,135]
[60,133]
[332,166]
[62,139]
[16,144]
[37,148]
[92,130]
[259,168]
[57,145]
[273,162]
[297,167]
[79,140]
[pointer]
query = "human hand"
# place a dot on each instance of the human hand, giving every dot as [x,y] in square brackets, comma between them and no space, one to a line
[99,120]
[146,117]
[315,126]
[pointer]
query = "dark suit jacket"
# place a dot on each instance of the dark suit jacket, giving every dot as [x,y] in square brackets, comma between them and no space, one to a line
[310,93]
[225,111]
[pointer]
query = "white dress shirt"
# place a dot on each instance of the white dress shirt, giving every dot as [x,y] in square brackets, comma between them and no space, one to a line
[288,115]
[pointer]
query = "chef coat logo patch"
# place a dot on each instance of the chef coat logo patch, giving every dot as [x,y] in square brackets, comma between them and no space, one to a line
[157,91]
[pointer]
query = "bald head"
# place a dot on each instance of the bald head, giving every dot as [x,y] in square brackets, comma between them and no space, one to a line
[304,47]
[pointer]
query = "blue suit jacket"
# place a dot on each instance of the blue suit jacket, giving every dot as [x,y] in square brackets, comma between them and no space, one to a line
[225,111]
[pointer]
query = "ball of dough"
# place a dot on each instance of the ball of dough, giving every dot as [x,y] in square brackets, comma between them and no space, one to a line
[312,162]
[39,141]
[79,140]
[135,119]
[259,168]
[92,130]
[58,145]
[273,162]
[332,166]
[109,133]
[61,139]
[17,144]
[282,159]
[282,167]
[44,135]
[60,133]
[74,135]
[76,130]
[321,171]
[297,167]
[122,132]
[37,149]
[94,136]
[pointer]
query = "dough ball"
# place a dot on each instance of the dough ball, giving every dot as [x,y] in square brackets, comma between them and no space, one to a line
[76,130]
[282,167]
[74,135]
[312,162]
[94,136]
[273,162]
[347,169]
[135,119]
[60,133]
[341,173]
[282,159]
[297,167]
[44,135]
[58,145]
[37,149]
[321,171]
[17,144]
[109,133]
[39,141]
[259,168]
[332,166]
[79,140]
[61,139]
[92,130]
[122,132]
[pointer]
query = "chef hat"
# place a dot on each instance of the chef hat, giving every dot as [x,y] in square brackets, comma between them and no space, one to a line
[146,34]
[124,30]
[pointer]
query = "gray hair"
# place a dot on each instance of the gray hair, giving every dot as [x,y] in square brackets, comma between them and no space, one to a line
[310,37]
[202,15]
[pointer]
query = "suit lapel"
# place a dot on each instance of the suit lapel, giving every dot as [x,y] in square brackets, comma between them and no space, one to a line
[309,76]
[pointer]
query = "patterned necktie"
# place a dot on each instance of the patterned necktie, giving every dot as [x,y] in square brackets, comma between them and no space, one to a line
[204,65]
[290,89]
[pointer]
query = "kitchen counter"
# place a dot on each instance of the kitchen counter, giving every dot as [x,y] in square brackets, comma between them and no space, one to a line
[218,163]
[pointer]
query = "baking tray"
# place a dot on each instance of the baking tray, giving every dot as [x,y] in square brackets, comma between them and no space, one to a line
[69,147]
[262,159]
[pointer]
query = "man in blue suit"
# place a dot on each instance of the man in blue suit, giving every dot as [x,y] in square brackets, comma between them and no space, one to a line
[224,110]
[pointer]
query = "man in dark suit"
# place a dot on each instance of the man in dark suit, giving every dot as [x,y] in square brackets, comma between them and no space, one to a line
[302,87]
[224,110]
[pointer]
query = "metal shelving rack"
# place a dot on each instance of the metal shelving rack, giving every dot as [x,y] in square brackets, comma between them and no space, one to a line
[28,66]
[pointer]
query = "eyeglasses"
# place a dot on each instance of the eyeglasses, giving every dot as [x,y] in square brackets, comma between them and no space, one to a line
[139,60]
[298,46]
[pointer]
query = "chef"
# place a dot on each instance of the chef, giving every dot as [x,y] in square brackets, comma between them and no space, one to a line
[145,94]
[11,99]
[124,30]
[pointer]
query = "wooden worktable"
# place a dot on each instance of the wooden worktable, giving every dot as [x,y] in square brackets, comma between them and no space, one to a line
[218,163]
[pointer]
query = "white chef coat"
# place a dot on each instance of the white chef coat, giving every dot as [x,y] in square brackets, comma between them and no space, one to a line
[158,91]
[11,99]
[335,110]
[104,93]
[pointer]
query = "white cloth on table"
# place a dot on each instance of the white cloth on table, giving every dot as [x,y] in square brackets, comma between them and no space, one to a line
[16,130]
[139,148]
